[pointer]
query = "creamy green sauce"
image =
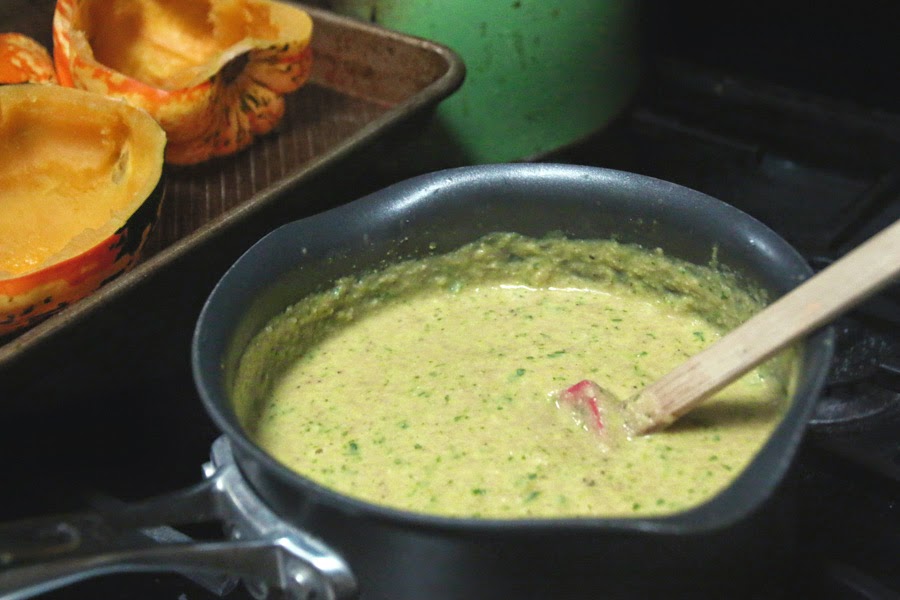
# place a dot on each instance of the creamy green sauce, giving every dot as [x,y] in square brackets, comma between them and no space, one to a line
[430,385]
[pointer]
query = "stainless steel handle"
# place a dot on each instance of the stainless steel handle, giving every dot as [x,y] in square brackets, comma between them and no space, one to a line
[257,560]
[38,555]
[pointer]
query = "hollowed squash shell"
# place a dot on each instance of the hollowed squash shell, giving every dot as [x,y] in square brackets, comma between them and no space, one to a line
[80,188]
[24,60]
[212,72]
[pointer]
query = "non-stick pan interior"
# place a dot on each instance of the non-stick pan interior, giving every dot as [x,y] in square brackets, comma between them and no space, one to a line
[439,212]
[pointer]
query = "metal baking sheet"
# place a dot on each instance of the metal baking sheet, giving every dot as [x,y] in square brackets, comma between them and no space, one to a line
[365,80]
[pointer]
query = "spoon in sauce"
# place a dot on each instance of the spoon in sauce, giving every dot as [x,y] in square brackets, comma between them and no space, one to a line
[841,286]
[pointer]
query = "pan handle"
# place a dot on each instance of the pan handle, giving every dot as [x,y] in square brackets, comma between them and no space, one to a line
[42,554]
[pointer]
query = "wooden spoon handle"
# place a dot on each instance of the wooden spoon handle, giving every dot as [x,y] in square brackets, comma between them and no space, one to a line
[847,282]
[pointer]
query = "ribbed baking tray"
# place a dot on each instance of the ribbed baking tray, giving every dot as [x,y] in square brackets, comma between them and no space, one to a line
[365,81]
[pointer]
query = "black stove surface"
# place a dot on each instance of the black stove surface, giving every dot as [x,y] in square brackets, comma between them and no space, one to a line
[824,174]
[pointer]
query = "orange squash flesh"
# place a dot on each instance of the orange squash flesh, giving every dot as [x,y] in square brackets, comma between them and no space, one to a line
[212,72]
[78,194]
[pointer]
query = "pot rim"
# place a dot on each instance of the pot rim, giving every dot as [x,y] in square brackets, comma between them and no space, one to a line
[747,492]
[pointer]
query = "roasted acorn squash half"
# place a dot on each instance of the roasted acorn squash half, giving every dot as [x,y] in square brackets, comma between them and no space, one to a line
[212,72]
[80,188]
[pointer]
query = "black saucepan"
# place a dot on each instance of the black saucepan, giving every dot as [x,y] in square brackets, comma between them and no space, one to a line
[738,544]
[740,537]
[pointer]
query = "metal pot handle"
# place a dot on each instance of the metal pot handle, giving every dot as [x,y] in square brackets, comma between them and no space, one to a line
[42,554]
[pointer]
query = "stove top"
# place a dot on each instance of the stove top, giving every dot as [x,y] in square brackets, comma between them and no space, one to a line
[823,174]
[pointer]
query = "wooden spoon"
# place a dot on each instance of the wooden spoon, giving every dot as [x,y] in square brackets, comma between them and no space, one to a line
[844,284]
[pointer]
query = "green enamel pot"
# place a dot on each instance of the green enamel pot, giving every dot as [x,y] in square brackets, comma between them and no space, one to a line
[540,74]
